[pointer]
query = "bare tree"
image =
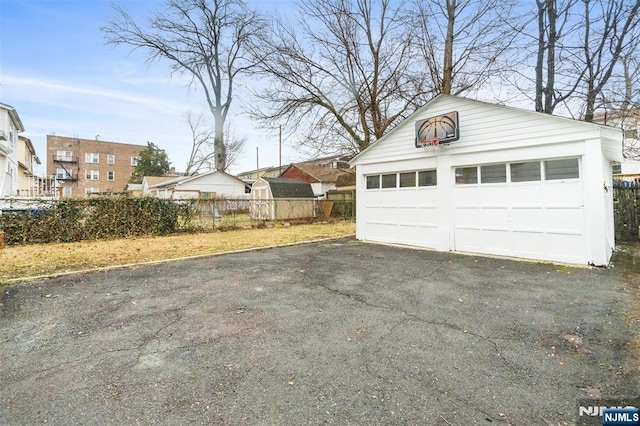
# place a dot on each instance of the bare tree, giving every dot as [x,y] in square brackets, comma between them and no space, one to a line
[463,42]
[554,25]
[202,156]
[345,76]
[205,39]
[202,153]
[235,145]
[620,102]
[610,29]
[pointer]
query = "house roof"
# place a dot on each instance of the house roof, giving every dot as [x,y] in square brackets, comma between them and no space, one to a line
[30,147]
[347,179]
[261,169]
[184,179]
[441,96]
[13,113]
[337,157]
[157,180]
[289,188]
[319,173]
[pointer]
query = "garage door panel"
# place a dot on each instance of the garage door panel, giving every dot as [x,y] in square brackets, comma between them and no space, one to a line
[569,220]
[426,197]
[468,239]
[528,218]
[468,217]
[494,217]
[467,196]
[529,244]
[525,194]
[388,214]
[494,195]
[499,241]
[566,247]
[567,194]
[483,241]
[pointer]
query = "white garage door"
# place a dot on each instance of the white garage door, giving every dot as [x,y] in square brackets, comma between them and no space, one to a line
[527,209]
[401,208]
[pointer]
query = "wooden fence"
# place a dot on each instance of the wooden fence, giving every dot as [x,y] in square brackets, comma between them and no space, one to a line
[626,210]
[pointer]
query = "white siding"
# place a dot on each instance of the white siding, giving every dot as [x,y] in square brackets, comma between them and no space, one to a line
[483,127]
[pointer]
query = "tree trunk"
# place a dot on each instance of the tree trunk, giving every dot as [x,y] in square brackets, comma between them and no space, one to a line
[447,72]
[551,57]
[628,85]
[219,148]
[540,56]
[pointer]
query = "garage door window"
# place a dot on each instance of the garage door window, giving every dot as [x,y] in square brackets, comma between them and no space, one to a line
[525,172]
[496,173]
[561,169]
[389,181]
[427,178]
[467,175]
[407,180]
[373,182]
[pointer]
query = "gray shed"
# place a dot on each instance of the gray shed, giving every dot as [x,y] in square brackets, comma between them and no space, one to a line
[281,199]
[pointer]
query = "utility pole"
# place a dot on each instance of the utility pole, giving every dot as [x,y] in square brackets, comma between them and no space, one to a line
[280,152]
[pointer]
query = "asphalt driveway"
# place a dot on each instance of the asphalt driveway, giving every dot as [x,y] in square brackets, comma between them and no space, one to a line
[337,332]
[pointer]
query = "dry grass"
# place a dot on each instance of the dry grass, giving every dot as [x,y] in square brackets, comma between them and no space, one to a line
[26,261]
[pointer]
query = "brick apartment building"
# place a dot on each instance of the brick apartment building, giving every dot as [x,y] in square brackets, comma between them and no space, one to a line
[84,166]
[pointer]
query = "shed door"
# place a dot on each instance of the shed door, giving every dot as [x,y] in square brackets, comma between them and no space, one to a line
[528,209]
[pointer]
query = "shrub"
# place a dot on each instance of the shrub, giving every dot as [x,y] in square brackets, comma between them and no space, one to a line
[96,218]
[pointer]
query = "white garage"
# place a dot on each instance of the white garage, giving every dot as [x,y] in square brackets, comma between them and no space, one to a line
[499,181]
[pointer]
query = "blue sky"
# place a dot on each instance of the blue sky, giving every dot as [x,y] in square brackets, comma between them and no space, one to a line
[56,70]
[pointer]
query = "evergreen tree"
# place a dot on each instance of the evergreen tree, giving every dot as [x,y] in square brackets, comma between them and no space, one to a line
[152,161]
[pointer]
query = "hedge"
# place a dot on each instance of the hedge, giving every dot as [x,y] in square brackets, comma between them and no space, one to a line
[68,220]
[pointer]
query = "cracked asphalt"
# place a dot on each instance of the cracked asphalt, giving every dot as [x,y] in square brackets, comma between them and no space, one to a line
[337,332]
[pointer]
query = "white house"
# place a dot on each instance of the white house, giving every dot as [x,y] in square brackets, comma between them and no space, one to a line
[502,181]
[207,185]
[149,182]
[10,126]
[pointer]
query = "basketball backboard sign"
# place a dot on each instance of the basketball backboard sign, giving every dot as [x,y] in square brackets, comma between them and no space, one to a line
[442,127]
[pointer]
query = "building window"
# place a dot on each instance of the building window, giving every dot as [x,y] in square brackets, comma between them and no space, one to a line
[91,190]
[111,175]
[525,172]
[64,155]
[66,191]
[616,169]
[466,175]
[92,157]
[134,161]
[427,178]
[561,169]
[389,181]
[111,159]
[407,180]
[496,173]
[63,174]
[92,175]
[373,182]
